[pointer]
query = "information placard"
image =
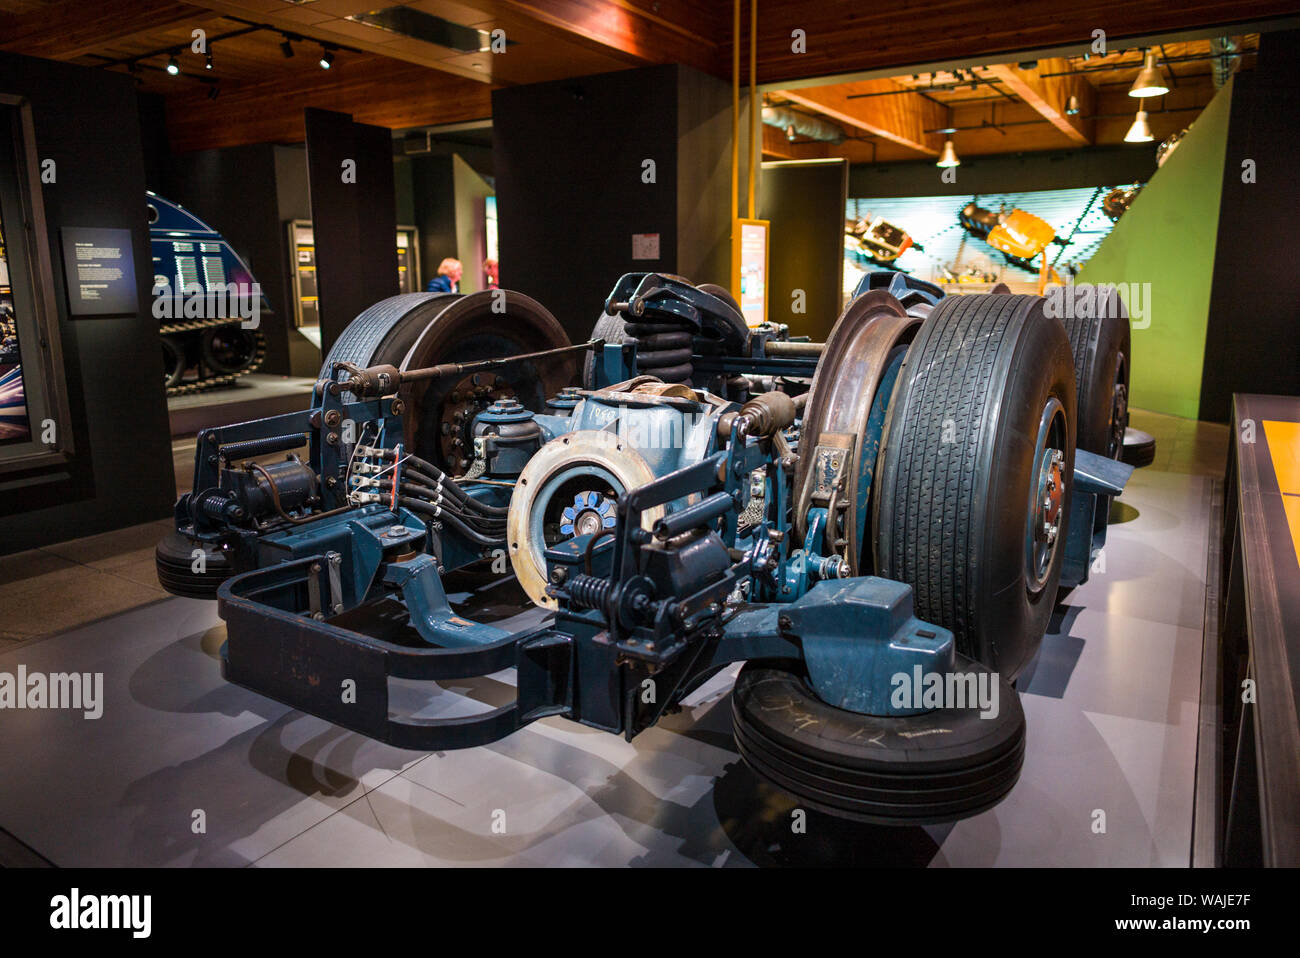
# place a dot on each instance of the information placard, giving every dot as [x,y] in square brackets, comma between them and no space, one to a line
[100,271]
[749,245]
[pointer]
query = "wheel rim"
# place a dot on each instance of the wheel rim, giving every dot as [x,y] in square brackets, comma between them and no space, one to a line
[855,361]
[475,327]
[1118,413]
[568,468]
[1046,496]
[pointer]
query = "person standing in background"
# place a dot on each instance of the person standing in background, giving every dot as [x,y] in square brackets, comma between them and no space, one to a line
[448,278]
[490,270]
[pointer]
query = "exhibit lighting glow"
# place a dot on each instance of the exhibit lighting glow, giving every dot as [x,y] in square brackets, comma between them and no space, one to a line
[949,155]
[208,63]
[1140,131]
[1072,106]
[173,65]
[1148,82]
[326,59]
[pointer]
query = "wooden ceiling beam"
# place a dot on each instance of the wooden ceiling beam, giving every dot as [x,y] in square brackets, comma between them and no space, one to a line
[73,28]
[776,145]
[1050,96]
[887,110]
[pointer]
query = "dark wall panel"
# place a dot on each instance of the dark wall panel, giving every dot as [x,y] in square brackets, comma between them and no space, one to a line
[354,222]
[1252,341]
[87,121]
[804,200]
[234,191]
[568,158]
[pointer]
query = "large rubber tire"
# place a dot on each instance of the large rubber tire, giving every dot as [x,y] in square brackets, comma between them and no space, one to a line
[953,501]
[173,350]
[1100,345]
[1139,448]
[413,330]
[911,770]
[612,330]
[384,333]
[173,559]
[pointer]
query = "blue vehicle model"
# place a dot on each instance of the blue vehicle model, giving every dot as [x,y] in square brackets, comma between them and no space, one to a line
[202,294]
[877,525]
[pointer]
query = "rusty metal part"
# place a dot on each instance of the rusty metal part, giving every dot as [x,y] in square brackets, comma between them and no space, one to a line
[673,390]
[779,348]
[839,405]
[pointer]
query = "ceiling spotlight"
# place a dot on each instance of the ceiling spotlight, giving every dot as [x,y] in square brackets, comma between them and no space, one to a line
[949,155]
[213,92]
[286,48]
[326,59]
[1140,131]
[173,65]
[1072,106]
[207,65]
[1149,82]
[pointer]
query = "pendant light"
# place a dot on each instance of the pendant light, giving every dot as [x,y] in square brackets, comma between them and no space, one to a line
[1140,131]
[1149,81]
[949,155]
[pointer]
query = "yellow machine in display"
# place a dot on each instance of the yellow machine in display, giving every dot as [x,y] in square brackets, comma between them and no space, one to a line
[1018,235]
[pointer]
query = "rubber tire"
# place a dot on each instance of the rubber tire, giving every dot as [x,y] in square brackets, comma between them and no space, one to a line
[950,518]
[940,766]
[209,353]
[612,330]
[1139,448]
[384,332]
[173,361]
[1098,343]
[173,560]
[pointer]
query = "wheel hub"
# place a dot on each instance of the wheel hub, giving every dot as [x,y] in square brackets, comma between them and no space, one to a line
[590,513]
[1118,420]
[1047,502]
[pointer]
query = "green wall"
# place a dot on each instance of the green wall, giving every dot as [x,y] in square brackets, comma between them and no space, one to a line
[1167,240]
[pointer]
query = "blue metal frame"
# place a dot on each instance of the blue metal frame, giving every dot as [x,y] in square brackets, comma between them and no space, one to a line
[635,605]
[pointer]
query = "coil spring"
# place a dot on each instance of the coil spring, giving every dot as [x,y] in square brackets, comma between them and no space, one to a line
[663,349]
[252,448]
[589,591]
[218,505]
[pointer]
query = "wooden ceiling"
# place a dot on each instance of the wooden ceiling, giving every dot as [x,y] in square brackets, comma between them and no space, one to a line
[253,93]
[1005,107]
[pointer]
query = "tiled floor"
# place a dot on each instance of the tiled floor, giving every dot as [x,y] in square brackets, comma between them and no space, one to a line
[1111,703]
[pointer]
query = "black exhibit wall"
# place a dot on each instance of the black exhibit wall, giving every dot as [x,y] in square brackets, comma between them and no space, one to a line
[354,217]
[234,190]
[1252,337]
[804,200]
[426,199]
[570,159]
[120,474]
